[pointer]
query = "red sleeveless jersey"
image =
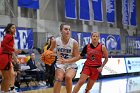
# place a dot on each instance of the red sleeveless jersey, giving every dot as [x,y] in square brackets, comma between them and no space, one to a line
[94,55]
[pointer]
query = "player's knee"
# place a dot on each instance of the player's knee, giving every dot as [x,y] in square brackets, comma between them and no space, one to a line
[68,77]
[59,80]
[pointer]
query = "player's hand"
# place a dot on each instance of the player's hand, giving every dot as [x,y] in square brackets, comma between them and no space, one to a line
[100,69]
[17,51]
[62,60]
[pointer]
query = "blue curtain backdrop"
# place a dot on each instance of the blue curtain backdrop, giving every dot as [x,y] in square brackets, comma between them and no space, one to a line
[34,4]
[110,11]
[97,10]
[84,10]
[70,9]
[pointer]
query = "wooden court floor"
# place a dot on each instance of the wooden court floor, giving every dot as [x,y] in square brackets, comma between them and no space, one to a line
[47,90]
[111,85]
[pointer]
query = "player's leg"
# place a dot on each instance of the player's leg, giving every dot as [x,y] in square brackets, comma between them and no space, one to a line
[6,80]
[69,75]
[89,85]
[92,79]
[12,76]
[80,82]
[84,75]
[59,75]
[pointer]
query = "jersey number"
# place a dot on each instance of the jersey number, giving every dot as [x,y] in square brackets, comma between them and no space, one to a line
[64,55]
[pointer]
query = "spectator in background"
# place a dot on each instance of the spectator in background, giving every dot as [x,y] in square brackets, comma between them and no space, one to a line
[50,69]
[48,43]
[31,62]
[34,70]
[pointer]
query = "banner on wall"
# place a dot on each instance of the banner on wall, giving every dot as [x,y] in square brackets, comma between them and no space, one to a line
[34,4]
[133,42]
[112,42]
[70,9]
[84,9]
[125,12]
[132,64]
[83,38]
[110,11]
[23,38]
[97,10]
[114,66]
[133,12]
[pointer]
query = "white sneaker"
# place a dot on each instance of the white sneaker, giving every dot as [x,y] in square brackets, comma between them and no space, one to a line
[40,83]
[14,91]
[44,82]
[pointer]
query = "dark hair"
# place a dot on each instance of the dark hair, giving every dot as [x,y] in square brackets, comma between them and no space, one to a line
[61,26]
[6,30]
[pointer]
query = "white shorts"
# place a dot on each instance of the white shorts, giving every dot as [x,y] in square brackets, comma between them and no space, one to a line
[64,67]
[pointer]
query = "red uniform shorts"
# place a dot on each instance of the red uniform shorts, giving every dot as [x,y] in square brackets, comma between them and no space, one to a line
[91,71]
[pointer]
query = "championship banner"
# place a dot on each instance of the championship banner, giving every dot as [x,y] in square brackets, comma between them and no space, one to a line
[110,11]
[23,38]
[97,10]
[34,4]
[125,14]
[70,9]
[133,12]
[84,10]
[83,38]
[112,42]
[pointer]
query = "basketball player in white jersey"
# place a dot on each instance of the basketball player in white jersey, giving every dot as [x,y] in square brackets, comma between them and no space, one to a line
[67,51]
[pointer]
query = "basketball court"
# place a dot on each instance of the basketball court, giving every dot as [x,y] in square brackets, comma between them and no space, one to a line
[124,84]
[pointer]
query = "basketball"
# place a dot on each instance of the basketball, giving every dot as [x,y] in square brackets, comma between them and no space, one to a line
[48,57]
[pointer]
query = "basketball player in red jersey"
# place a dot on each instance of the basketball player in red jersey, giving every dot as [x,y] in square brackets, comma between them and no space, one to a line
[7,46]
[93,64]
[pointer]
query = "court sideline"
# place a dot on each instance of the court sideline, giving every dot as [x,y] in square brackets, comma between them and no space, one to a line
[124,84]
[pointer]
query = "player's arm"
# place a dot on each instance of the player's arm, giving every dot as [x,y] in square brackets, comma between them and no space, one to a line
[53,45]
[105,54]
[75,54]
